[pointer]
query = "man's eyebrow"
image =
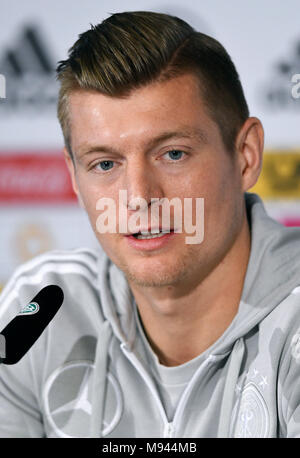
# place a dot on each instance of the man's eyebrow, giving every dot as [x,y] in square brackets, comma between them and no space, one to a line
[193,133]
[196,133]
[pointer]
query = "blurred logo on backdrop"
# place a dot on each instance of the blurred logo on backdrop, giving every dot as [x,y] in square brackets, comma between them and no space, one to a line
[279,91]
[34,178]
[29,71]
[30,240]
[280,177]
[31,181]
[279,183]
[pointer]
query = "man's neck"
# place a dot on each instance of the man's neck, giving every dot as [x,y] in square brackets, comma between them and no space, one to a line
[180,327]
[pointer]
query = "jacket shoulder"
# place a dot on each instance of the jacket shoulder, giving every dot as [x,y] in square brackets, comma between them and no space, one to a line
[65,268]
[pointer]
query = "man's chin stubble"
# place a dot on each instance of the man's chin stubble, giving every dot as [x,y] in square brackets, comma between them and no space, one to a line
[158,278]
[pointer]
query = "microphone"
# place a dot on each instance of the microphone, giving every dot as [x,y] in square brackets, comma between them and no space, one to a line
[27,326]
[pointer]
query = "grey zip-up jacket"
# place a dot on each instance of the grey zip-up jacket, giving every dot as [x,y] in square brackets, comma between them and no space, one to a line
[85,378]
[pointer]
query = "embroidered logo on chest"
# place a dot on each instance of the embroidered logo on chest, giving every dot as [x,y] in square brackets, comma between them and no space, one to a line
[251,413]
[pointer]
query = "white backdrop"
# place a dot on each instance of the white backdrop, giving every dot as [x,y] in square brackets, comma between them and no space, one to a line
[262,37]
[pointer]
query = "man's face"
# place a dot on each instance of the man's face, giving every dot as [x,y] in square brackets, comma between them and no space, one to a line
[157,143]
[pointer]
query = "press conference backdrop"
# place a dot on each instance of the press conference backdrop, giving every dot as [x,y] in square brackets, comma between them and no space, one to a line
[38,209]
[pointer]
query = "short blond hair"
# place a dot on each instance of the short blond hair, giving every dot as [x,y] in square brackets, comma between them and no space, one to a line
[132,49]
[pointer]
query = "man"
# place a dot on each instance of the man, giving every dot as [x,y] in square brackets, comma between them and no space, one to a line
[158,337]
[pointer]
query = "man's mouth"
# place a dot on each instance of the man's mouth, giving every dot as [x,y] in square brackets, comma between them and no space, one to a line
[150,235]
[148,239]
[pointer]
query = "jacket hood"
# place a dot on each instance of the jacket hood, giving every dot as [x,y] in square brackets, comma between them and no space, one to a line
[273,269]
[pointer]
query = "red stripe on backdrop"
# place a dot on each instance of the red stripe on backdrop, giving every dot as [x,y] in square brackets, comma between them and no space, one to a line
[291,222]
[34,178]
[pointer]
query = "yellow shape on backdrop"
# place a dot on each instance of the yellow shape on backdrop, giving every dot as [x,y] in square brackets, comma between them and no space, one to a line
[280,176]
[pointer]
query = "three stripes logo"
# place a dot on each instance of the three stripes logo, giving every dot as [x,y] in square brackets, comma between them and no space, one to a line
[277,93]
[2,87]
[27,74]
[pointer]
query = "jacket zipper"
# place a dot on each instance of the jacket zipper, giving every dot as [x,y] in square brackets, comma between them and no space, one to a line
[136,363]
[186,394]
[169,427]
[168,430]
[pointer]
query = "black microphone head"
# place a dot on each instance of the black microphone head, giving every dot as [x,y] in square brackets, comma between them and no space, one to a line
[21,333]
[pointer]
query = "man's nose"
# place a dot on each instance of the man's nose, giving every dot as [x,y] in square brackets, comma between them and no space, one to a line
[142,184]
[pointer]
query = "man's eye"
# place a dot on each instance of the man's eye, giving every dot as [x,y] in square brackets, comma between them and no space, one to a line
[174,154]
[105,165]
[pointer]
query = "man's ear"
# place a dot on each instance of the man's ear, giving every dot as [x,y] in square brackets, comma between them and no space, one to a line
[71,167]
[250,146]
